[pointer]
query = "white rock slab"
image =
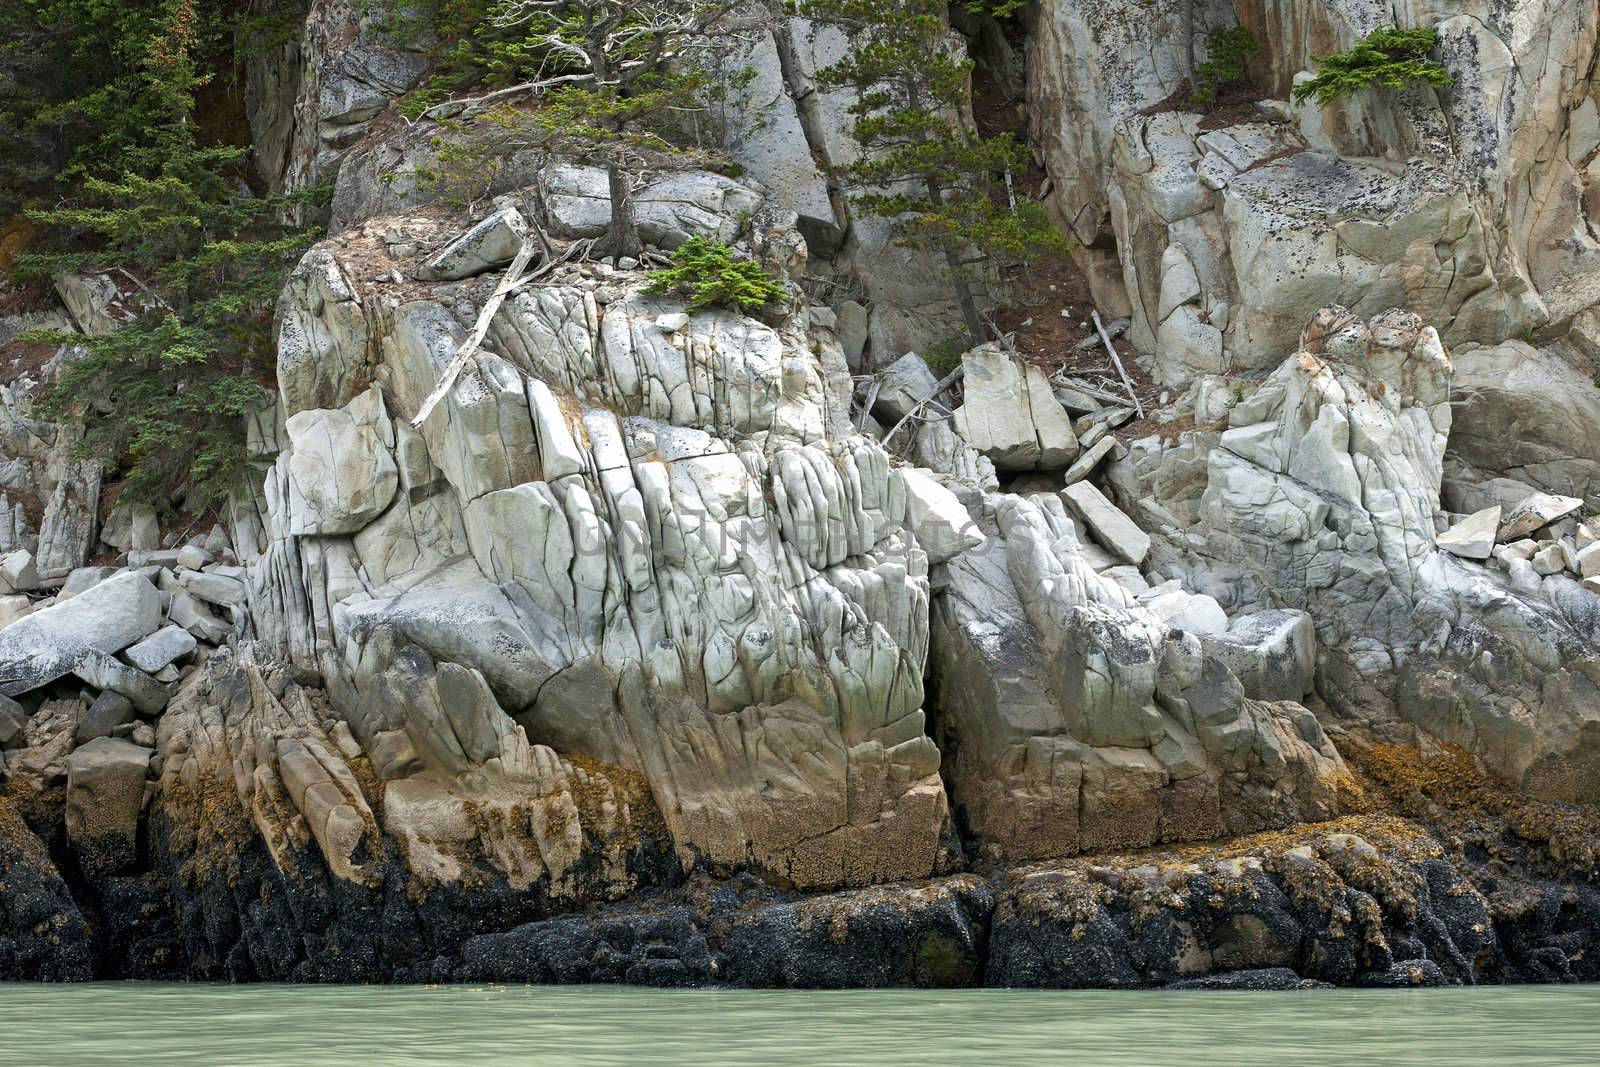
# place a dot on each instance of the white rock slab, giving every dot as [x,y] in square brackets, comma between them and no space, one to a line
[171,642]
[941,524]
[1106,521]
[60,639]
[1540,509]
[1473,537]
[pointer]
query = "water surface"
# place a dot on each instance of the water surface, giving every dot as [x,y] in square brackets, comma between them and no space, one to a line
[313,1026]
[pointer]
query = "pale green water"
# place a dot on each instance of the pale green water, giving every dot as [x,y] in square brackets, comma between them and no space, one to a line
[308,1026]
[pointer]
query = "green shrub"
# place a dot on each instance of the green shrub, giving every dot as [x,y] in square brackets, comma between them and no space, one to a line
[1230,50]
[1390,58]
[711,275]
[944,355]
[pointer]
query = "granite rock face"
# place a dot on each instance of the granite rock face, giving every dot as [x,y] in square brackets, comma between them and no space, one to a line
[1075,718]
[680,647]
[1321,496]
[655,538]
[1466,207]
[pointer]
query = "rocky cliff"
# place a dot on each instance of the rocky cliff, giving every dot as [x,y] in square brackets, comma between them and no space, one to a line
[669,645]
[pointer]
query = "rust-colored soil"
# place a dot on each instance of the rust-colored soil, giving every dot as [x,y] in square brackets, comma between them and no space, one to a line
[1049,318]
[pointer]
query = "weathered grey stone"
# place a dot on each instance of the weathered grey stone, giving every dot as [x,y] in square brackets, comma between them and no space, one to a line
[1549,560]
[1010,415]
[67,637]
[1105,520]
[903,385]
[18,573]
[1474,536]
[97,302]
[1091,458]
[129,526]
[144,530]
[940,523]
[192,614]
[1055,679]
[101,671]
[13,608]
[1536,511]
[213,587]
[105,795]
[83,579]
[101,718]
[71,515]
[1182,610]
[342,472]
[1332,468]
[1272,653]
[193,557]
[153,557]
[171,642]
[322,347]
[853,328]
[494,242]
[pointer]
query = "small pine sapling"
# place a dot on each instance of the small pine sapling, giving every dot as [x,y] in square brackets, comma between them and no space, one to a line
[712,276]
[618,76]
[1392,59]
[1225,65]
[941,182]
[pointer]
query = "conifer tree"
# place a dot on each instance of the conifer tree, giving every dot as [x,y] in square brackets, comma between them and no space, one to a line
[618,76]
[161,398]
[921,165]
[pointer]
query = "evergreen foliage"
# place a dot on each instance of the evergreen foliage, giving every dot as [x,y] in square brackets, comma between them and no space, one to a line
[708,271]
[1225,65]
[921,165]
[144,192]
[1390,58]
[616,83]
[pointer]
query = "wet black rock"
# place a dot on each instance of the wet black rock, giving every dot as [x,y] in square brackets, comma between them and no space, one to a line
[1405,974]
[640,948]
[1265,980]
[43,936]
[929,935]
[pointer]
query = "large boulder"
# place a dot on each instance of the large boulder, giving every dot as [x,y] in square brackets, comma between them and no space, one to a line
[341,467]
[105,796]
[78,636]
[937,518]
[168,644]
[1010,415]
[1529,414]
[493,242]
[1322,495]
